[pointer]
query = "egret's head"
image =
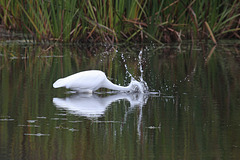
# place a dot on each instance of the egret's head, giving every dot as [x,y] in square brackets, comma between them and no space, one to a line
[137,86]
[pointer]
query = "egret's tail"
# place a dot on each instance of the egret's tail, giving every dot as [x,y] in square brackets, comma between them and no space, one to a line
[59,83]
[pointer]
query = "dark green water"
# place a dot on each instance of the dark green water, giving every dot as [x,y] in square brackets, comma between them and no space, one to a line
[196,116]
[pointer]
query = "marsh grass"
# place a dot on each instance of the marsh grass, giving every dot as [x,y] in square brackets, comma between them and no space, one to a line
[114,21]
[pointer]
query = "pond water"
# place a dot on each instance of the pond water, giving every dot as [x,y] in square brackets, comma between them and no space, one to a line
[193,111]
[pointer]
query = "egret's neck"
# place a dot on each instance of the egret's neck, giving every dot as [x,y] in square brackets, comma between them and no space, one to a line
[108,84]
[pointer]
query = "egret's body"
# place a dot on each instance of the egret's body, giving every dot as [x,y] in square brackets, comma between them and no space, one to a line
[89,81]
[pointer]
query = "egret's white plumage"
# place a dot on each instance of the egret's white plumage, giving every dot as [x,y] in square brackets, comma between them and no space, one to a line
[89,81]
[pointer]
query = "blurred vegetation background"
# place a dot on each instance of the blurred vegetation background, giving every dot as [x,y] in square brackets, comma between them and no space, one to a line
[111,21]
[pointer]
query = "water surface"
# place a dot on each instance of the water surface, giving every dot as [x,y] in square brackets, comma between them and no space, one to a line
[194,112]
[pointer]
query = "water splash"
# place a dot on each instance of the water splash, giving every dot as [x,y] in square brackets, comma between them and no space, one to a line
[126,68]
[140,65]
[142,85]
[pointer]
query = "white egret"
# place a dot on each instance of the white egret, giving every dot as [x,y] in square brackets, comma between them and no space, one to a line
[92,80]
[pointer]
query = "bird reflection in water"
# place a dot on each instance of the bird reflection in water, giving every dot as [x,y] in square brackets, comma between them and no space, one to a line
[93,105]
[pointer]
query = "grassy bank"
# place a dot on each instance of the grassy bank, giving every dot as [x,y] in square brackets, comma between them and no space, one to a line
[122,20]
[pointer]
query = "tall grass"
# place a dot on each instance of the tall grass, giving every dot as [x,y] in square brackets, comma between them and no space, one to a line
[122,20]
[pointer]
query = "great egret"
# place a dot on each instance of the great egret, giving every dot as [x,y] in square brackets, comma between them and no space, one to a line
[92,80]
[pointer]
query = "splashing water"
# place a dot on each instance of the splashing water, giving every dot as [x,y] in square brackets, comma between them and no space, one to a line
[142,85]
[126,68]
[140,65]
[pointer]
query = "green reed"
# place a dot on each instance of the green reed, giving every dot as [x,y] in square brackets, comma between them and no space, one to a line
[113,21]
